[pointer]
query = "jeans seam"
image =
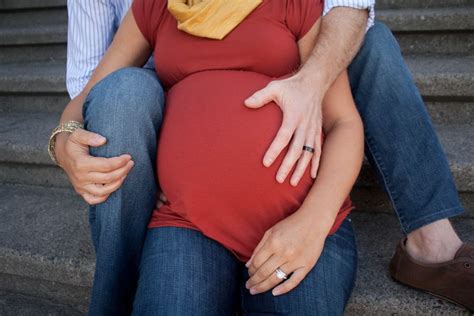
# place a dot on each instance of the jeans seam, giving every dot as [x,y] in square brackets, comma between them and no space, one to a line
[434,215]
[378,165]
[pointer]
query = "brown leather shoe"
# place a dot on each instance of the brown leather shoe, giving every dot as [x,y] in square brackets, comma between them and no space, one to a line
[452,280]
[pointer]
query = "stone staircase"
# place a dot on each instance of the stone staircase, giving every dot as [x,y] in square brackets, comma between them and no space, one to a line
[46,259]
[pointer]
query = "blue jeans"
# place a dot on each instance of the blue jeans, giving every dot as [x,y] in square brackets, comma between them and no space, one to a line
[400,141]
[183,272]
[401,145]
[126,107]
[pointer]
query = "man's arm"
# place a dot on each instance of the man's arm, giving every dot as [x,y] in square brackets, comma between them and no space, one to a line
[300,96]
[91,28]
[340,37]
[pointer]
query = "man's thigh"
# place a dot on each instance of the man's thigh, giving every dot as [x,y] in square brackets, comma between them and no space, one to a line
[182,272]
[324,291]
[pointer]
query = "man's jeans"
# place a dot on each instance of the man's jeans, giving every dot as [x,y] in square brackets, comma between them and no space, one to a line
[401,145]
[183,272]
[126,107]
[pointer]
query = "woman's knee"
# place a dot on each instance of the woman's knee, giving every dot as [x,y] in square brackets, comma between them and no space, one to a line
[184,272]
[126,96]
[325,290]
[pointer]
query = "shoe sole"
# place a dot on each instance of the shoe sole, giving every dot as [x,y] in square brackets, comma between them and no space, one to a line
[434,294]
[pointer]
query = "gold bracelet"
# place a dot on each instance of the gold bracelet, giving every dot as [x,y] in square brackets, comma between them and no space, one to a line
[69,127]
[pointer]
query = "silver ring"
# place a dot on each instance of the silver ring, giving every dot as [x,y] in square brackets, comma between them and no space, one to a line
[280,274]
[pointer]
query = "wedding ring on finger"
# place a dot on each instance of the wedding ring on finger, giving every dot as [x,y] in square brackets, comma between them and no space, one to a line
[280,274]
[308,148]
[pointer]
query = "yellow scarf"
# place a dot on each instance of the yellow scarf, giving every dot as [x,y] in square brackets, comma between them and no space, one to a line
[210,18]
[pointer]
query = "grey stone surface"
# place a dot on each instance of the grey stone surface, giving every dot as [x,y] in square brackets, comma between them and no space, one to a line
[22,305]
[44,235]
[433,20]
[40,247]
[375,293]
[41,175]
[403,4]
[33,78]
[28,4]
[436,76]
[451,113]
[374,199]
[443,77]
[33,18]
[76,297]
[25,136]
[32,103]
[436,43]
[32,52]
[49,34]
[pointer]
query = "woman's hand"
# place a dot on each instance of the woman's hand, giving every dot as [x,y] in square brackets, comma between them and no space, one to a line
[94,178]
[293,245]
[161,199]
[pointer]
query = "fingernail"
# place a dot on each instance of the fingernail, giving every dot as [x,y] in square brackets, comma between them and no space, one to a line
[253,291]
[280,179]
[99,139]
[250,100]
[247,284]
[267,162]
[275,292]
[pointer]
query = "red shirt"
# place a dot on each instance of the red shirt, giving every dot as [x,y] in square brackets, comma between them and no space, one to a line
[211,146]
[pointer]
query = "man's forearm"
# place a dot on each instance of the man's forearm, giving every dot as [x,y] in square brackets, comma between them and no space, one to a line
[341,35]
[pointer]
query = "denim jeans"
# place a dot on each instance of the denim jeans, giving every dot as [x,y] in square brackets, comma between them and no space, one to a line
[400,141]
[401,146]
[183,272]
[125,107]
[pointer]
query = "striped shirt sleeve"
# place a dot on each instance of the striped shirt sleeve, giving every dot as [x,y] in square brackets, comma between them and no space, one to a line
[356,4]
[91,28]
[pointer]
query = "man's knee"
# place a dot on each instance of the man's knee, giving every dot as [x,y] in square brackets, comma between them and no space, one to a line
[126,96]
[379,44]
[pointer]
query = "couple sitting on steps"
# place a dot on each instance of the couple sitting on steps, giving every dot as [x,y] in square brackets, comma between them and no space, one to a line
[233,197]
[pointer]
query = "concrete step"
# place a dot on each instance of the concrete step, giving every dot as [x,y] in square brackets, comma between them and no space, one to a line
[404,4]
[24,159]
[447,82]
[33,35]
[443,77]
[429,20]
[41,34]
[15,304]
[432,31]
[375,293]
[45,248]
[30,4]
[45,243]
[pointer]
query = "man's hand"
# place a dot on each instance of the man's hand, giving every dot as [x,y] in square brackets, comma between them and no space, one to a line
[293,245]
[302,125]
[300,96]
[94,178]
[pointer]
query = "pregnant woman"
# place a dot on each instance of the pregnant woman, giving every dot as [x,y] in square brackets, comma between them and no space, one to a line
[230,237]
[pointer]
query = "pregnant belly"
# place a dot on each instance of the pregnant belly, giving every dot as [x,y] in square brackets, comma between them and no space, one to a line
[210,154]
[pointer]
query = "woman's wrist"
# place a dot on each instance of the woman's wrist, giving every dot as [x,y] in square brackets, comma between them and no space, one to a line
[61,139]
[320,222]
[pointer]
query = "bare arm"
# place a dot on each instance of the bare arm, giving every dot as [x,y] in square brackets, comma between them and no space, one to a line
[87,173]
[295,243]
[340,37]
[300,95]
